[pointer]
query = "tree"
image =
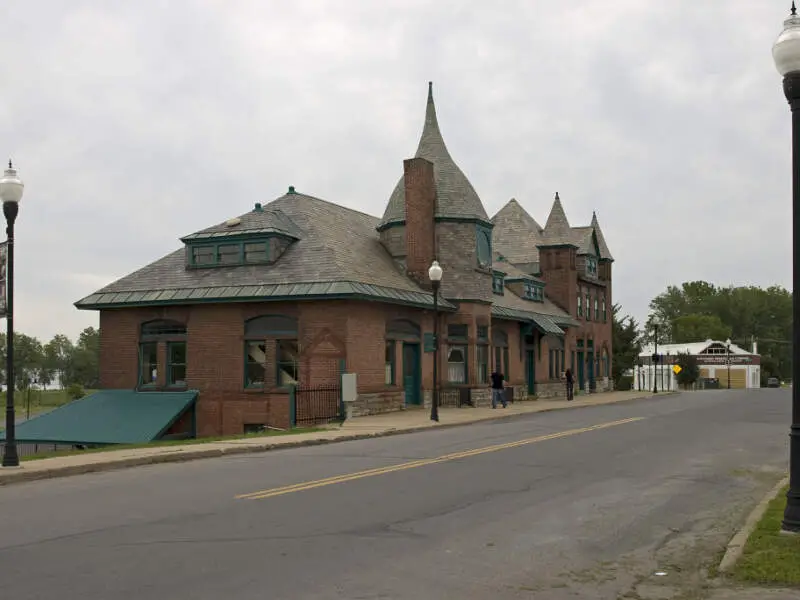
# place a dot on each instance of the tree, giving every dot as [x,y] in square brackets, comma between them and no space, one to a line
[625,342]
[28,360]
[85,363]
[698,310]
[694,327]
[690,370]
[58,354]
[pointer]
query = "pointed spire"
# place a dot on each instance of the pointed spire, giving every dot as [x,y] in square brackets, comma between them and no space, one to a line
[431,144]
[794,9]
[605,253]
[557,231]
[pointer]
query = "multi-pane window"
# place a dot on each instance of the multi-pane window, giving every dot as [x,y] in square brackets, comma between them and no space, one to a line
[162,337]
[605,316]
[591,266]
[255,252]
[588,307]
[580,305]
[596,305]
[176,363]
[229,254]
[534,292]
[271,352]
[203,255]
[482,363]
[501,357]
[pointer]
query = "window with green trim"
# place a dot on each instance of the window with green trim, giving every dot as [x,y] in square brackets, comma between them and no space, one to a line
[176,363]
[391,350]
[580,305]
[457,363]
[271,351]
[588,308]
[482,362]
[484,246]
[591,266]
[605,316]
[596,308]
[148,363]
[226,253]
[497,284]
[533,291]
[501,356]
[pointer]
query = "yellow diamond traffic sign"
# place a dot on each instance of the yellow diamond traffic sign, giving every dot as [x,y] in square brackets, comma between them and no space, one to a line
[676,369]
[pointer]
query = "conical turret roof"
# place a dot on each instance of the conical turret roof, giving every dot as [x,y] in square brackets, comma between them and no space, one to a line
[557,231]
[455,196]
[516,233]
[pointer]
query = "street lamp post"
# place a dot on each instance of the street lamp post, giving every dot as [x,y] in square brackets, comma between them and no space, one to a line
[435,275]
[11,189]
[655,359]
[728,356]
[786,53]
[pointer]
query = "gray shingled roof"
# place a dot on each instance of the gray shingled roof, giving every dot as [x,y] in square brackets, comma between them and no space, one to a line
[516,234]
[338,254]
[557,231]
[511,306]
[511,272]
[271,220]
[583,239]
[455,196]
[605,253]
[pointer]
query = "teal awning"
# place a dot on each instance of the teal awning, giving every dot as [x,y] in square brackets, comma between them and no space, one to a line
[546,325]
[108,417]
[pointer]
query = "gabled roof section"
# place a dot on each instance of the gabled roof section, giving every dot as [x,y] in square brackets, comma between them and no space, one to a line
[256,222]
[557,231]
[455,196]
[605,253]
[512,307]
[511,272]
[584,239]
[516,234]
[338,255]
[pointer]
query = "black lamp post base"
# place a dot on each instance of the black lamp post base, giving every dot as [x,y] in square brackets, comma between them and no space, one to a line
[791,518]
[10,458]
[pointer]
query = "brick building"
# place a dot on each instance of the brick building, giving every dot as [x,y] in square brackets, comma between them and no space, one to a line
[298,290]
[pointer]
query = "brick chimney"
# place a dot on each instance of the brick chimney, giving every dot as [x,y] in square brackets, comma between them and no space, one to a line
[420,200]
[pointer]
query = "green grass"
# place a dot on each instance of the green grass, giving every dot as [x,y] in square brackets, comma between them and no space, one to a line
[41,401]
[770,558]
[192,442]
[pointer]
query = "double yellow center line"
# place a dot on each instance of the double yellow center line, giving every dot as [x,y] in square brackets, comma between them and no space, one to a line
[309,485]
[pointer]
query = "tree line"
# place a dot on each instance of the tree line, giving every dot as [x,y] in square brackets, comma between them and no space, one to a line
[697,310]
[60,361]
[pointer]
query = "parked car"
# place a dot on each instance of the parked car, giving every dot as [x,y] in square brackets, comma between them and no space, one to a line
[773,382]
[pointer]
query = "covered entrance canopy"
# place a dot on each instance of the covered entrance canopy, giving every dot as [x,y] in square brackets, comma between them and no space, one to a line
[109,417]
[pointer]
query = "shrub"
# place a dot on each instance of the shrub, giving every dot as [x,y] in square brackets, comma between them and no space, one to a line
[625,383]
[75,391]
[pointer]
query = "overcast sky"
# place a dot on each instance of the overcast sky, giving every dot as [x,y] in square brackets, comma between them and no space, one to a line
[133,123]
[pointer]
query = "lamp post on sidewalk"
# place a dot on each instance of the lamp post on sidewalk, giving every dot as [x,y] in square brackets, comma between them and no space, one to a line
[728,359]
[435,273]
[786,53]
[654,358]
[11,188]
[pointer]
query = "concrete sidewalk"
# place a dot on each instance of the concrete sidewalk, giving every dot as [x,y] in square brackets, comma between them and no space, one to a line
[352,429]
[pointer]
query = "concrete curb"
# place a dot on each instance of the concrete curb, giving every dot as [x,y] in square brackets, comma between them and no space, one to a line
[736,546]
[198,452]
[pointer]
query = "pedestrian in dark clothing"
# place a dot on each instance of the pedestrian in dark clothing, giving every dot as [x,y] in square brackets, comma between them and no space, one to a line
[497,389]
[568,377]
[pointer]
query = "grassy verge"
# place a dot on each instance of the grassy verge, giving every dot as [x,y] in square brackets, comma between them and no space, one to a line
[770,558]
[38,401]
[196,442]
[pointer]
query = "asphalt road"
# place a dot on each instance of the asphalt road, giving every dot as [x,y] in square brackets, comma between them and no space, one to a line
[545,506]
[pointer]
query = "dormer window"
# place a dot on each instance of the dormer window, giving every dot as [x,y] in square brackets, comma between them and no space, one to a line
[591,266]
[497,284]
[533,292]
[229,253]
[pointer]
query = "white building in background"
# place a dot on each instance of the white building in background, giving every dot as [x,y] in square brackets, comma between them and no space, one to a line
[715,359]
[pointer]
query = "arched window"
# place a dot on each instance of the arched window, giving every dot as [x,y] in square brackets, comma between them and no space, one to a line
[484,243]
[173,334]
[271,351]
[606,366]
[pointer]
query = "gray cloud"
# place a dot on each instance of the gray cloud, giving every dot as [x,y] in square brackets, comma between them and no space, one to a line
[135,123]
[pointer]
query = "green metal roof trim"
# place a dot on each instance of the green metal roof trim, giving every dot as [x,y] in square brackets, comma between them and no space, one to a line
[217,235]
[259,293]
[109,417]
[544,323]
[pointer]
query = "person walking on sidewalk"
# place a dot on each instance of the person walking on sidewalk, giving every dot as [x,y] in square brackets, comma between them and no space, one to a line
[570,383]
[497,389]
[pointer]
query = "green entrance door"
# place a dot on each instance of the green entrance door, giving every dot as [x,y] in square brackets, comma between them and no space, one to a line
[590,365]
[530,371]
[580,370]
[412,374]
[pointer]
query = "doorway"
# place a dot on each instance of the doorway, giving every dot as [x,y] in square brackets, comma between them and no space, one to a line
[412,374]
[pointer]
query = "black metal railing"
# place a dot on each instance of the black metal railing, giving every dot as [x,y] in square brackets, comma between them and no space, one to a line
[29,449]
[454,397]
[316,405]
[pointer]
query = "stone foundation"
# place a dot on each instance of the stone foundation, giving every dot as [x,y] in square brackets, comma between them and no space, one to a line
[378,403]
[555,389]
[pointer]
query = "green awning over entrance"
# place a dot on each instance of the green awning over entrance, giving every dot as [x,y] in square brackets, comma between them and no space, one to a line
[109,417]
[546,325]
